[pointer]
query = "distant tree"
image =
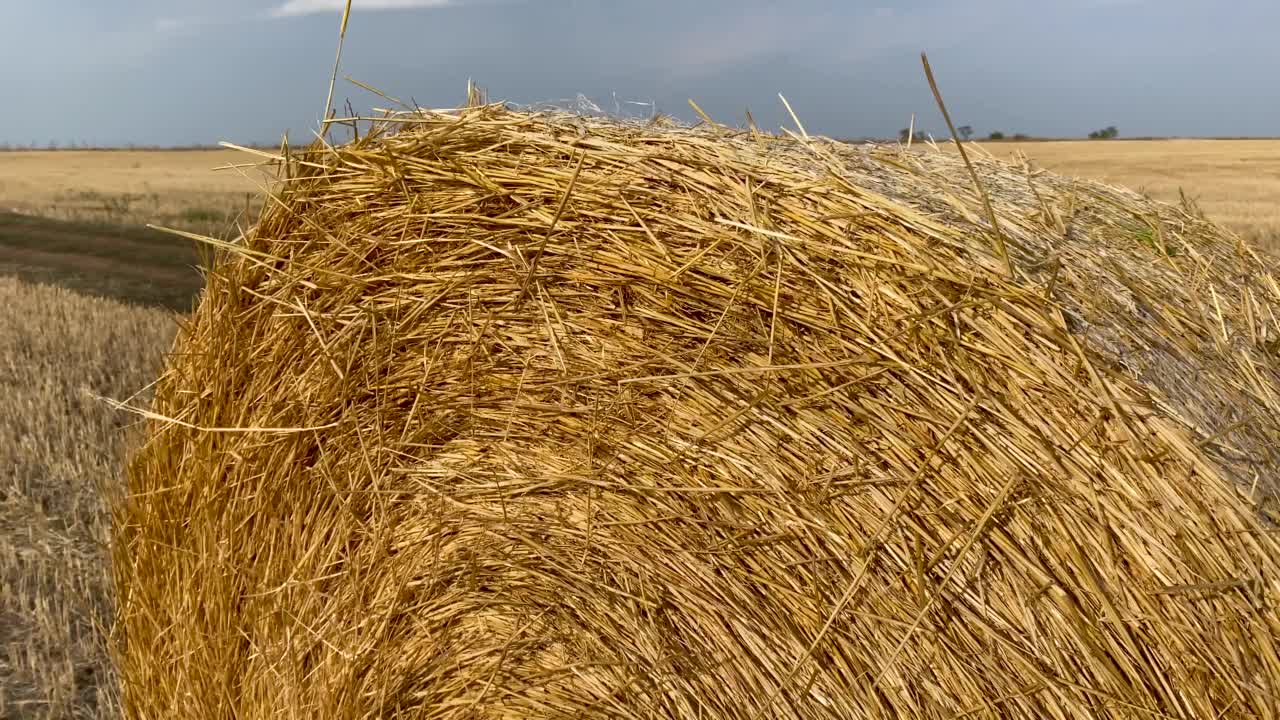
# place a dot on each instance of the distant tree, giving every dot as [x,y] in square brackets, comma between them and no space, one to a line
[1106,133]
[966,131]
[1021,136]
[919,136]
[996,135]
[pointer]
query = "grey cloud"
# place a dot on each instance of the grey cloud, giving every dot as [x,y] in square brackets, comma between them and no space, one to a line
[182,71]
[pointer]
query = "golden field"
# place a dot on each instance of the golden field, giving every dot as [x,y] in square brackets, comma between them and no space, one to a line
[1236,182]
[181,188]
[59,449]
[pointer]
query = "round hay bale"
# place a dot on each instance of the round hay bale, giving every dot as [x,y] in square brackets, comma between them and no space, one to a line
[499,414]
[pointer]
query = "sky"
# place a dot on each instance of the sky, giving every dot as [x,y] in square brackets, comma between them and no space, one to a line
[178,72]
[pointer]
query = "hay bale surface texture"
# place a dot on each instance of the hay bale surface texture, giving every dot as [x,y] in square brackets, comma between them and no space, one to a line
[503,414]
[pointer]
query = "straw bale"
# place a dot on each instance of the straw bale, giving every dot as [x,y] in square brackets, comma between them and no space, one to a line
[509,414]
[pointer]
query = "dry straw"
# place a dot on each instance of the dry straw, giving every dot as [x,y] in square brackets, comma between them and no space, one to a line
[501,414]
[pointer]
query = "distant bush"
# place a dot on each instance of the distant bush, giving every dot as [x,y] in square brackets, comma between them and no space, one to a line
[1105,133]
[996,135]
[905,133]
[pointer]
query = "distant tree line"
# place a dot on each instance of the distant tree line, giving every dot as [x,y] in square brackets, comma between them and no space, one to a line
[905,134]
[966,133]
[1000,135]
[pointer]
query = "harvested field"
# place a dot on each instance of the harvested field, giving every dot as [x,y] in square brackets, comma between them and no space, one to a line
[1236,182]
[131,264]
[537,416]
[58,451]
[172,188]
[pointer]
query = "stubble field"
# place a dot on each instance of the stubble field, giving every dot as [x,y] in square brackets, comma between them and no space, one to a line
[59,449]
[71,220]
[171,188]
[1236,182]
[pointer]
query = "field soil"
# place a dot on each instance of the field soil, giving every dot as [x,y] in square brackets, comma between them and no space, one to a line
[129,263]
